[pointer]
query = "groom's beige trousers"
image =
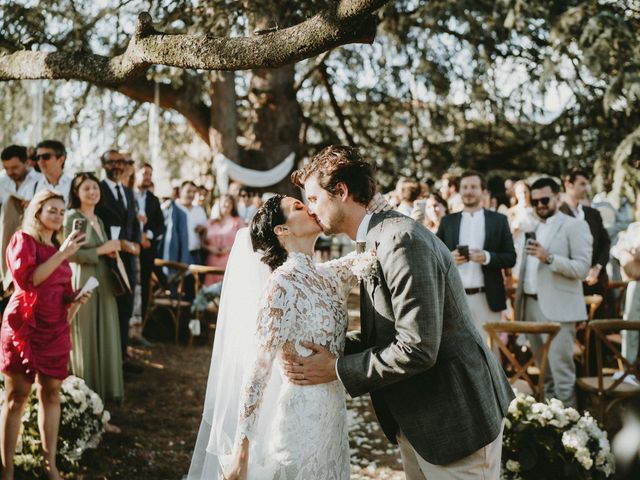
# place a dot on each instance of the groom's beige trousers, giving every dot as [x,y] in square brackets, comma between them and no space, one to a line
[483,464]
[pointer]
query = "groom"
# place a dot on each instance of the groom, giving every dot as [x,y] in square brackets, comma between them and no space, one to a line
[436,389]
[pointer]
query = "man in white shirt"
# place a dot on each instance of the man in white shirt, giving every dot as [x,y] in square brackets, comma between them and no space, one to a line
[481,244]
[51,155]
[550,287]
[17,179]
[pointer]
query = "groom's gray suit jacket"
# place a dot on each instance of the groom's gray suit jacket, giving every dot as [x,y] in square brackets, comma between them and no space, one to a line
[419,354]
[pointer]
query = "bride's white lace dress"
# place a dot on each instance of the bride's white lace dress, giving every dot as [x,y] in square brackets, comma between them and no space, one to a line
[302,301]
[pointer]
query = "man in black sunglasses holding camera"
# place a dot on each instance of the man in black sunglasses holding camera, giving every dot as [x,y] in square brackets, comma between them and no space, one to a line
[550,286]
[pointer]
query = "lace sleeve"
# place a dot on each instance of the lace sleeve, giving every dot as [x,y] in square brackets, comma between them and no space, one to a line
[275,318]
[342,271]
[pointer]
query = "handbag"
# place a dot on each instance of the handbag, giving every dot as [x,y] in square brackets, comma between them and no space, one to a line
[119,278]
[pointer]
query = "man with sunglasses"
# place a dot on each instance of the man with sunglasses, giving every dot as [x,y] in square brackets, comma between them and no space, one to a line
[51,155]
[550,289]
[117,208]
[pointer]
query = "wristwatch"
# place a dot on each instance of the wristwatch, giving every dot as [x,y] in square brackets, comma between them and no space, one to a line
[549,259]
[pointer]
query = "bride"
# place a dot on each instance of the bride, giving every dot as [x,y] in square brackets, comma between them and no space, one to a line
[255,424]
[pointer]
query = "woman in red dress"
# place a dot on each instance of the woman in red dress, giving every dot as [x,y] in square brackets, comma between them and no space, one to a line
[35,336]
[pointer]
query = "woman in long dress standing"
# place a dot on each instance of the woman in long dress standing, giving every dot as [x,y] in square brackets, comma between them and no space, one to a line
[96,355]
[35,336]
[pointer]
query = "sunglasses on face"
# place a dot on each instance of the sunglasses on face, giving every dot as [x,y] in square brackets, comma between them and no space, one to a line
[114,162]
[44,156]
[544,201]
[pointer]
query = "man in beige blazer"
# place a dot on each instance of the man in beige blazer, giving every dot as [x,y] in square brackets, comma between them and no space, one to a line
[550,289]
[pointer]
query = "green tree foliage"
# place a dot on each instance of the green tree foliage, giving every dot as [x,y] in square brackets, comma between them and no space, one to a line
[503,86]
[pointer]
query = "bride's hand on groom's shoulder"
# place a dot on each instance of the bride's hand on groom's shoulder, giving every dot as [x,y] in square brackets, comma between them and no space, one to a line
[316,369]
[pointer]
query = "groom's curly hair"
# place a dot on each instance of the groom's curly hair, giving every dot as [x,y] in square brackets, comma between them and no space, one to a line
[340,164]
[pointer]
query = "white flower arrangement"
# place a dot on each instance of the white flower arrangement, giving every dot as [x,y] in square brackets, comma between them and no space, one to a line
[82,421]
[365,265]
[543,438]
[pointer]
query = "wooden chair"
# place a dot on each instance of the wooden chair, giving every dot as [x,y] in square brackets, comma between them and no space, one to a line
[609,392]
[166,291]
[520,374]
[592,302]
[198,271]
[621,289]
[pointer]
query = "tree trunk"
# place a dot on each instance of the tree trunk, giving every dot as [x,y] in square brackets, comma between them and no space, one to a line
[223,126]
[275,122]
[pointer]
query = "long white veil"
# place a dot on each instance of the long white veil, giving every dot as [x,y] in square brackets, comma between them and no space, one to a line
[234,351]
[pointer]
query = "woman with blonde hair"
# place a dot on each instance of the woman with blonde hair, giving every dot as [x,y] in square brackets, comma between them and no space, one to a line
[35,335]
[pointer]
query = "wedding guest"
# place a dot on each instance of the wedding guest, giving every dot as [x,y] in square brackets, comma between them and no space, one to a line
[96,356]
[175,242]
[152,225]
[35,335]
[17,179]
[128,173]
[220,235]
[509,189]
[118,211]
[196,219]
[576,186]
[436,208]
[550,286]
[522,219]
[202,199]
[481,244]
[430,211]
[449,191]
[627,252]
[245,205]
[51,156]
[407,195]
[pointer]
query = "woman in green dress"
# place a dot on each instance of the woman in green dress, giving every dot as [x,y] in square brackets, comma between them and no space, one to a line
[96,356]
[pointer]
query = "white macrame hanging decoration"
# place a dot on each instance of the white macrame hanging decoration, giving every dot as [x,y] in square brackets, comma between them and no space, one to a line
[37,111]
[160,170]
[226,169]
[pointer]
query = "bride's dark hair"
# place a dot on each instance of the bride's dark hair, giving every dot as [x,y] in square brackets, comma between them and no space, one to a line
[263,238]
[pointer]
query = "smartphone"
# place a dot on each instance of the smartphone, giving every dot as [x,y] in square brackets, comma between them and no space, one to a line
[79,225]
[529,238]
[463,250]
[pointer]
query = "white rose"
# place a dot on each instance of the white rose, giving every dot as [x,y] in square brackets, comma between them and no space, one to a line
[513,466]
[572,414]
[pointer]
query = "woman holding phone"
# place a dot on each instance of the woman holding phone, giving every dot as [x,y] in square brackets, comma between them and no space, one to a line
[35,336]
[95,331]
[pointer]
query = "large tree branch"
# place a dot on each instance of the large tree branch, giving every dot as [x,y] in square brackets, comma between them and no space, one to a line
[350,21]
[197,113]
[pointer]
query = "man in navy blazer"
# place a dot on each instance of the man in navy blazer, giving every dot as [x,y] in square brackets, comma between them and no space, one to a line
[152,226]
[481,244]
[117,208]
[175,242]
